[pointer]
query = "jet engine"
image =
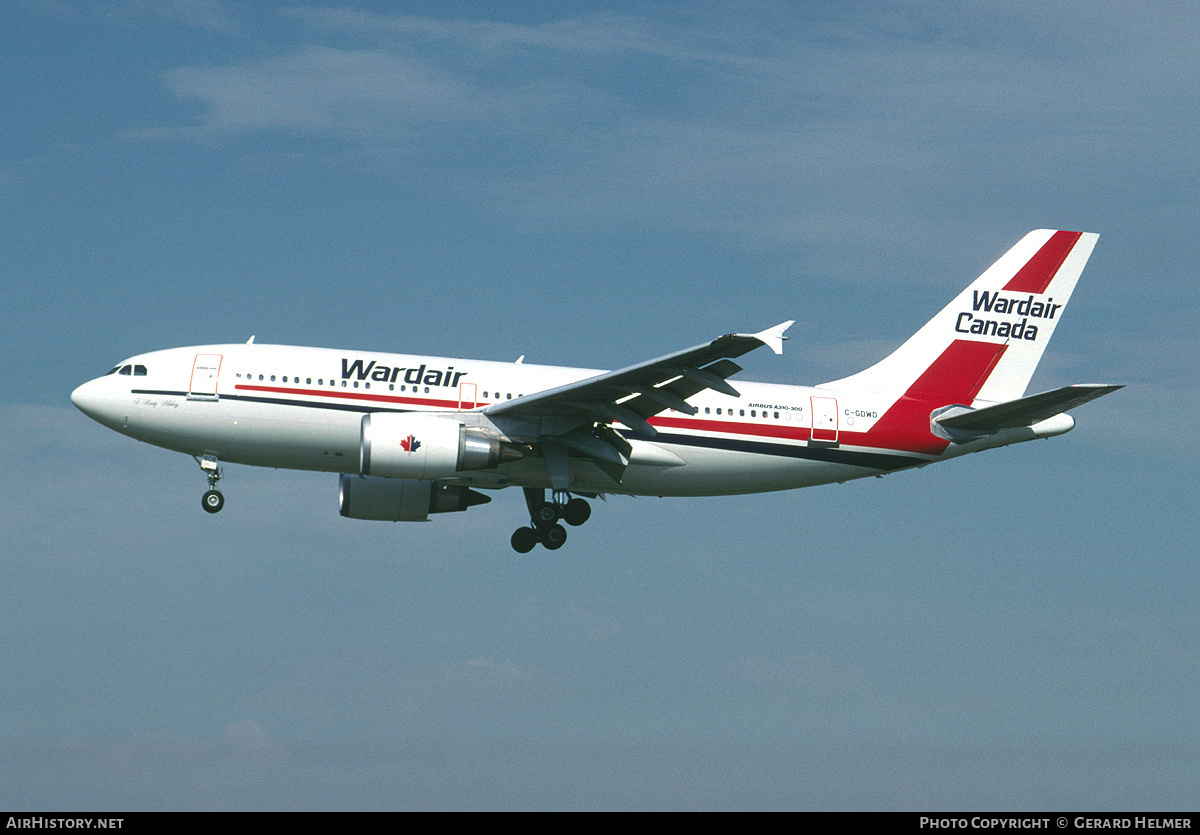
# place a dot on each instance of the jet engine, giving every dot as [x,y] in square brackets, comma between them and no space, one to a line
[402,499]
[423,446]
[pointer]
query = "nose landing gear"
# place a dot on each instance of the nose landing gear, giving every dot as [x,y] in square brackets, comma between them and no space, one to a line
[544,516]
[213,500]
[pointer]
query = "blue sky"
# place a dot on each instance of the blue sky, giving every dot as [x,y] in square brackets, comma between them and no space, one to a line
[594,184]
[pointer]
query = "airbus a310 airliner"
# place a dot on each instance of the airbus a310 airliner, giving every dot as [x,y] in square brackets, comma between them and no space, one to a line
[411,436]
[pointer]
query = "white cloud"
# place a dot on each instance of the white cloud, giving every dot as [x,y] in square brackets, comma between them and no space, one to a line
[325,89]
[791,129]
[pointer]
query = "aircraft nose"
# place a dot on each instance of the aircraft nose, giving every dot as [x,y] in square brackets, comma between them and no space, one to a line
[83,398]
[90,400]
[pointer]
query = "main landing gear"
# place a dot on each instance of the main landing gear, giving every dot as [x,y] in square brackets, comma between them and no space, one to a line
[213,500]
[544,516]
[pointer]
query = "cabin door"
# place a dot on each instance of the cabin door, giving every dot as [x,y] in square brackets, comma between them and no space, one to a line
[824,420]
[205,371]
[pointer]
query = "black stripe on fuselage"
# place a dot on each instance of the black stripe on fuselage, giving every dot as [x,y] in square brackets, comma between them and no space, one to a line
[280,401]
[832,455]
[336,407]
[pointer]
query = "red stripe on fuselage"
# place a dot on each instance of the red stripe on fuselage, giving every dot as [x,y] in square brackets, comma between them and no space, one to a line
[1040,270]
[954,377]
[358,395]
[730,427]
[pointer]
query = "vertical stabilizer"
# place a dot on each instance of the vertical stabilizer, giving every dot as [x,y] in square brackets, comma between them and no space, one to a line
[986,343]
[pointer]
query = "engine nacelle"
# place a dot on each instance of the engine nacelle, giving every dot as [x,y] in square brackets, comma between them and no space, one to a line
[401,499]
[421,446]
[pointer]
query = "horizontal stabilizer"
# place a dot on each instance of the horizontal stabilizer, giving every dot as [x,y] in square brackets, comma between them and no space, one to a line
[1025,411]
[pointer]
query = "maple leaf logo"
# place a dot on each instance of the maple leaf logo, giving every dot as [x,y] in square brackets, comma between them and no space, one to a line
[410,444]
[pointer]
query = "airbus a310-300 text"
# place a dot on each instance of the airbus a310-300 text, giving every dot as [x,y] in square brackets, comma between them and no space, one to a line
[412,436]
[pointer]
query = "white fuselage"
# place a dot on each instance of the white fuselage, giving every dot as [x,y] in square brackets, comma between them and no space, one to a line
[302,408]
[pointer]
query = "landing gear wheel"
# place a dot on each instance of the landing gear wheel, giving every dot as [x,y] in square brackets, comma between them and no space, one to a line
[576,512]
[524,540]
[212,501]
[553,537]
[545,514]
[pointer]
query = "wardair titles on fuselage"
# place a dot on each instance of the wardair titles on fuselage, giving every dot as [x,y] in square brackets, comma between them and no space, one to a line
[1027,307]
[419,376]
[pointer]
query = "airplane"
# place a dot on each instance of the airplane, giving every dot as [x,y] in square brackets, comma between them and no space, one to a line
[411,436]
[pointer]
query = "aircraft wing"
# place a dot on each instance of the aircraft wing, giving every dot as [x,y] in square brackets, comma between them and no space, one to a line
[629,396]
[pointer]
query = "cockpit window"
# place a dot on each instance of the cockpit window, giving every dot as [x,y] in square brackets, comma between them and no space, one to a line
[128,370]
